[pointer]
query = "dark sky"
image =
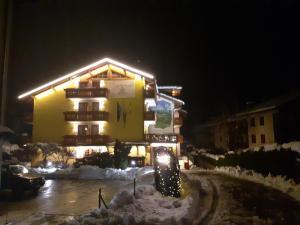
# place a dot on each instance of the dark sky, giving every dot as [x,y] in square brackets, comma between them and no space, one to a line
[223,53]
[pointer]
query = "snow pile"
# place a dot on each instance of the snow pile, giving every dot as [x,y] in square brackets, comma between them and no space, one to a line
[147,207]
[8,147]
[213,156]
[93,172]
[294,146]
[277,182]
[198,151]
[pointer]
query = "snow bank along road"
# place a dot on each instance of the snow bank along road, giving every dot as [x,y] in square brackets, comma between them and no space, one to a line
[225,200]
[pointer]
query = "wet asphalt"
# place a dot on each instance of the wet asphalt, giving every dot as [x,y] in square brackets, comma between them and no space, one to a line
[65,197]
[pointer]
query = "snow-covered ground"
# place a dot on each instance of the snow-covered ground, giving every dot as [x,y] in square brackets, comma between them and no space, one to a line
[277,182]
[92,172]
[147,207]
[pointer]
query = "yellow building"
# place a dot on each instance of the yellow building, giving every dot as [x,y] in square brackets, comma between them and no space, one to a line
[88,109]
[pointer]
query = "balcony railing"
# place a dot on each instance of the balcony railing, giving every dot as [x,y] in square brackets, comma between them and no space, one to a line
[150,93]
[86,93]
[178,121]
[164,138]
[86,116]
[149,115]
[75,140]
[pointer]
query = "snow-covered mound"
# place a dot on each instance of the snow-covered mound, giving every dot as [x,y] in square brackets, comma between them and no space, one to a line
[93,172]
[147,207]
[277,182]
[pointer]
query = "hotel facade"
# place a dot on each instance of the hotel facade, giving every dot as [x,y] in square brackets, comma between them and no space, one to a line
[89,109]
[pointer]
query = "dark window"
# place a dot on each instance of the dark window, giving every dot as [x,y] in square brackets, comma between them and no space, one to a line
[252,122]
[83,129]
[95,129]
[83,106]
[116,75]
[95,106]
[83,84]
[253,138]
[102,75]
[262,121]
[263,138]
[96,84]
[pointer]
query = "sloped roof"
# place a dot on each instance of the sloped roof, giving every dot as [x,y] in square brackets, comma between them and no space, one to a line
[81,71]
[272,103]
[169,87]
[171,98]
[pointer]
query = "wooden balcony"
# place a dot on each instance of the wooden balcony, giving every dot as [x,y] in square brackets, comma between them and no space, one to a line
[77,140]
[86,116]
[150,93]
[149,116]
[86,93]
[178,121]
[162,138]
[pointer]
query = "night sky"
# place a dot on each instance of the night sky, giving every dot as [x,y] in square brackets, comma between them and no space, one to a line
[224,54]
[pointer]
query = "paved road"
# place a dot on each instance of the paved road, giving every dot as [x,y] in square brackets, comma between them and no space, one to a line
[71,197]
[228,201]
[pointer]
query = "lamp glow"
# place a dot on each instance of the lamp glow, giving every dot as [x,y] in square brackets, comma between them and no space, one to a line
[163,159]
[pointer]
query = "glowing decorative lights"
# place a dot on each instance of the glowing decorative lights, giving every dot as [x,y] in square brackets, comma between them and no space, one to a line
[164,159]
[78,72]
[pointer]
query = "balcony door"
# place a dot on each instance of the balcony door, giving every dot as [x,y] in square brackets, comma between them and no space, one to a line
[83,130]
[96,84]
[83,106]
[95,129]
[95,106]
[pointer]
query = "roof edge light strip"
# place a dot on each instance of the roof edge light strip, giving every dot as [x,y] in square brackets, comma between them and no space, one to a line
[76,72]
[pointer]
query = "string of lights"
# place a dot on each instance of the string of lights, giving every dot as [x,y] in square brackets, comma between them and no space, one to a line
[167,172]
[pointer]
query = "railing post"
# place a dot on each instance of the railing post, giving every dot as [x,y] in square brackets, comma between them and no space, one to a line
[134,187]
[99,198]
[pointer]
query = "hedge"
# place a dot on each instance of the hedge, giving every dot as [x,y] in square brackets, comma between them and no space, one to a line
[278,162]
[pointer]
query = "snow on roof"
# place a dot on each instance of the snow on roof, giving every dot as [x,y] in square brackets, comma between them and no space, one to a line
[272,103]
[80,72]
[171,98]
[169,87]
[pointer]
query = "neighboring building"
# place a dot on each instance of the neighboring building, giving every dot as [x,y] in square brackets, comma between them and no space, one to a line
[88,109]
[274,121]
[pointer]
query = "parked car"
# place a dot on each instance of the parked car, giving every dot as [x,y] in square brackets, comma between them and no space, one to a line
[18,179]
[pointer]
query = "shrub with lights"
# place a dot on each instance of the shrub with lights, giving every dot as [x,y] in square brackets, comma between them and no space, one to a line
[167,172]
